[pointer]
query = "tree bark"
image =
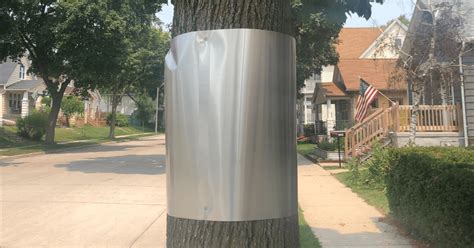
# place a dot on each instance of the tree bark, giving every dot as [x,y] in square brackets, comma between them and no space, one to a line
[113,117]
[195,15]
[262,233]
[56,99]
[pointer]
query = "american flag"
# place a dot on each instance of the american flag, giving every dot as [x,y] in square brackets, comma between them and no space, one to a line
[367,95]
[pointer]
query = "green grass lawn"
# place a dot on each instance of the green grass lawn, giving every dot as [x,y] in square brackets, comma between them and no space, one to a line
[373,195]
[89,132]
[87,135]
[307,238]
[305,149]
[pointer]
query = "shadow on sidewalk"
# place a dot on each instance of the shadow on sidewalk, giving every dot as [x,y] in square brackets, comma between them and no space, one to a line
[352,238]
[128,164]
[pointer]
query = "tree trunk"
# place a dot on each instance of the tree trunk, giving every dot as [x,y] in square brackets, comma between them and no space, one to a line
[263,233]
[56,99]
[113,117]
[194,15]
[417,89]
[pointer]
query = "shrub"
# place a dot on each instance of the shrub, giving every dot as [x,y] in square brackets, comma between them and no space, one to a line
[431,193]
[46,101]
[377,165]
[121,120]
[72,105]
[33,126]
[308,130]
[330,145]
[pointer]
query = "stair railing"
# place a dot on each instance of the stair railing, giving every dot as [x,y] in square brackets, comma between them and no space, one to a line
[360,138]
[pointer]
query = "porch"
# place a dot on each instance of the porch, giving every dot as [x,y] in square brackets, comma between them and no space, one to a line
[436,125]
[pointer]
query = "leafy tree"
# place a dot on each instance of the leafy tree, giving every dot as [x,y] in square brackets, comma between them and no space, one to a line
[125,36]
[32,28]
[72,105]
[145,109]
[80,40]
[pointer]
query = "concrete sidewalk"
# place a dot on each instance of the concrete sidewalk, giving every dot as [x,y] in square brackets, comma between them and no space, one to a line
[337,216]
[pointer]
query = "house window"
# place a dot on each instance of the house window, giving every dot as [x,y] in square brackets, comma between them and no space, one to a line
[22,72]
[15,103]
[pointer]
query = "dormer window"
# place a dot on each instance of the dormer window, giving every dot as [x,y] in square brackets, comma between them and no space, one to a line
[22,72]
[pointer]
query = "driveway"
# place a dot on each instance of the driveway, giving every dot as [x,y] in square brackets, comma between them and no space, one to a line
[112,195]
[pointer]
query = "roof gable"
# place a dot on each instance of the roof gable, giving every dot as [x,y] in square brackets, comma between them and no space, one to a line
[354,41]
[6,70]
[385,45]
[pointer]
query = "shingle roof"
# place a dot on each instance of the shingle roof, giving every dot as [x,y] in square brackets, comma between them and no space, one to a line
[330,89]
[354,41]
[377,72]
[6,70]
[25,85]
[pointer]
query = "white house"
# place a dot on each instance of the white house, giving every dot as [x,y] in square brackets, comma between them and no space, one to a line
[20,92]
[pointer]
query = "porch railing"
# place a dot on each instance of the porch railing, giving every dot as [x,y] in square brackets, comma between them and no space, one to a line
[436,118]
[378,125]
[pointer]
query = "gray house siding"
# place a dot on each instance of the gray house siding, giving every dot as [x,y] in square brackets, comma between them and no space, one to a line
[468,60]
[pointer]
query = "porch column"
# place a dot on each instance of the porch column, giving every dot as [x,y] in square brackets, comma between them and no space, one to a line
[25,105]
[2,100]
[329,124]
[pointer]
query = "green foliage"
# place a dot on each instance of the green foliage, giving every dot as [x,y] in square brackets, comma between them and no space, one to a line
[377,166]
[33,126]
[305,149]
[121,120]
[330,144]
[46,101]
[72,105]
[145,110]
[308,130]
[372,194]
[317,26]
[307,237]
[431,192]
[88,41]
[372,172]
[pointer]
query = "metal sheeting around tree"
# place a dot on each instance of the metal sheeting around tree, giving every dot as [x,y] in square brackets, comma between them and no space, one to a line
[231,125]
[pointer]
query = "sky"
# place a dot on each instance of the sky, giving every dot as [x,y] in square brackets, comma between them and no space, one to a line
[381,14]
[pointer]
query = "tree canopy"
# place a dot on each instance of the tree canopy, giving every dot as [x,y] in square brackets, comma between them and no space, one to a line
[317,26]
[74,40]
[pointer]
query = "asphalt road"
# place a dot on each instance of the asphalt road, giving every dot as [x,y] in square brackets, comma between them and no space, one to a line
[112,195]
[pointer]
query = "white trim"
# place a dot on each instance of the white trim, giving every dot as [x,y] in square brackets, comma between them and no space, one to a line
[381,36]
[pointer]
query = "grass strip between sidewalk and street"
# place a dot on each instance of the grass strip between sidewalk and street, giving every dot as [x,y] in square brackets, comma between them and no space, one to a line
[373,195]
[67,138]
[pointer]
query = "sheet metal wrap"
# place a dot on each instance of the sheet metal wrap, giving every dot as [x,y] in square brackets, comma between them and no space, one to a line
[231,125]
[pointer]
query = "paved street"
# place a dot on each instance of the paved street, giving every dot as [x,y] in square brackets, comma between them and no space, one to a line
[113,195]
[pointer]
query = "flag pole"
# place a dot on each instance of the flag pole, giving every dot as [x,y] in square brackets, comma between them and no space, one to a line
[380,92]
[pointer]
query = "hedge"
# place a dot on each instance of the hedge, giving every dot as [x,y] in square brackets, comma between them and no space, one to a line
[431,192]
